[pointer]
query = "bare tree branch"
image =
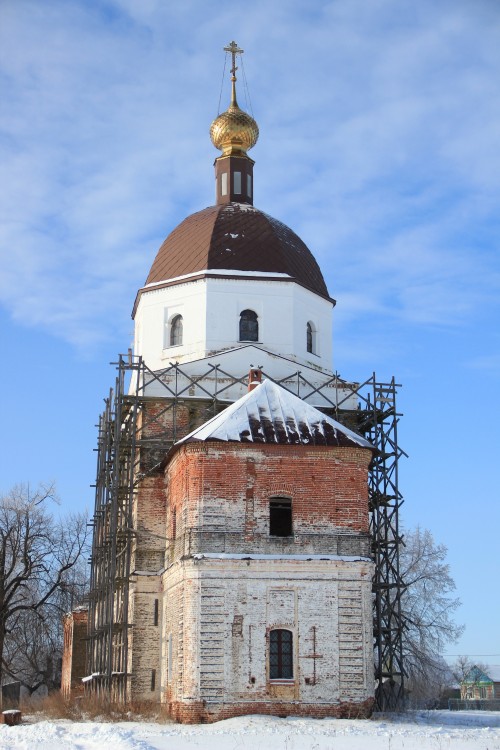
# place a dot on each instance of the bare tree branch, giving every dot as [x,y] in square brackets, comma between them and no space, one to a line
[428,607]
[37,554]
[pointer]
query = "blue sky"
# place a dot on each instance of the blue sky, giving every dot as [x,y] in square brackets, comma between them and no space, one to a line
[379,146]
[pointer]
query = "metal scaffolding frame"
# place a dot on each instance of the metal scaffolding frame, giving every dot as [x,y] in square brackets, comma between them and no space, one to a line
[128,450]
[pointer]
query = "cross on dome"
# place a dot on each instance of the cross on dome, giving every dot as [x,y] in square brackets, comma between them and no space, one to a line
[234,131]
[233,48]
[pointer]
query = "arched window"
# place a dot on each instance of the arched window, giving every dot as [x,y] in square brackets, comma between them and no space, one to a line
[281,655]
[249,326]
[311,338]
[176,331]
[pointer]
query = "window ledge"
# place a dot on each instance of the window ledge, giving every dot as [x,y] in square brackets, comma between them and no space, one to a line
[282,680]
[169,351]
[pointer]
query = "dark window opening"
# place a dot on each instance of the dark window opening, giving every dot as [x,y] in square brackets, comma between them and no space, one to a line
[281,655]
[169,658]
[310,338]
[153,679]
[156,612]
[174,524]
[249,326]
[176,331]
[280,517]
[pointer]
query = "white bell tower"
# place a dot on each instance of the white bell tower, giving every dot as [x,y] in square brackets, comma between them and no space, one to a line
[232,282]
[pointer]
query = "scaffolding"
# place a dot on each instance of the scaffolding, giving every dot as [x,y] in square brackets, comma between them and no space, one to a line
[134,438]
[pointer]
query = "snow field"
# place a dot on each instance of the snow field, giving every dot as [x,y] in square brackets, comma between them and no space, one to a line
[429,730]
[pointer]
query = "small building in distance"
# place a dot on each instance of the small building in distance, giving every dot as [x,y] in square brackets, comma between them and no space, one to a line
[481,683]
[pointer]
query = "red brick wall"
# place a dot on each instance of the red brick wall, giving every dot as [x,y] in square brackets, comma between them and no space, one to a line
[328,486]
[73,662]
[149,520]
[198,712]
[226,487]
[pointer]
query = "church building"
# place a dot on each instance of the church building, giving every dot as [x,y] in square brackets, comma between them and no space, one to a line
[248,581]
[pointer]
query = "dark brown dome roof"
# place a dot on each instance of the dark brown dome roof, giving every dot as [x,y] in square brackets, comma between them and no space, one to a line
[236,237]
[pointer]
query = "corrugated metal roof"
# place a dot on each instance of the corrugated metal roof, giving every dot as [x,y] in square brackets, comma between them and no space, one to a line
[271,414]
[490,673]
[240,237]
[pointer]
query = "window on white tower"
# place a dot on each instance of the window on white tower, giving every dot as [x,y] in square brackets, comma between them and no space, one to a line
[176,331]
[249,326]
[311,338]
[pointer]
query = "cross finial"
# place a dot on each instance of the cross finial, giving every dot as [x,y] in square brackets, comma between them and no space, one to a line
[233,48]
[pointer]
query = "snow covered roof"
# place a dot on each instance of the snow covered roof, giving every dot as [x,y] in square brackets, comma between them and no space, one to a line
[271,414]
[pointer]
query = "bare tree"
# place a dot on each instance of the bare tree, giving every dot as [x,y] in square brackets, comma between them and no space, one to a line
[34,644]
[32,651]
[37,553]
[428,606]
[461,668]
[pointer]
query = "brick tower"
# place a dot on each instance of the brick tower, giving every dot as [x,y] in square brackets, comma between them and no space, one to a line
[267,587]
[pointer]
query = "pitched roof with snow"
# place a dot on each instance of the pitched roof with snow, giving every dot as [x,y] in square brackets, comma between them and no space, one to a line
[271,414]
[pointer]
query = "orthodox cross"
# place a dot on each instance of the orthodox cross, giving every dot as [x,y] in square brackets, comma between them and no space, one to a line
[233,48]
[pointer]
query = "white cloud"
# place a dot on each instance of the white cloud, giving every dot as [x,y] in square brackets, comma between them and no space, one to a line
[379,131]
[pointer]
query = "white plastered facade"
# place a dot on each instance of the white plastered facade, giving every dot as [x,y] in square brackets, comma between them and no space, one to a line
[217,614]
[211,308]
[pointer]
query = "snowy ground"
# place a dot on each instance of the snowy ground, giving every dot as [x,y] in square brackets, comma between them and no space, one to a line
[422,730]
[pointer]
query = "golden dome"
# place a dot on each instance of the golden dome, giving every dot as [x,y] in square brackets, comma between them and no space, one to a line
[234,131]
